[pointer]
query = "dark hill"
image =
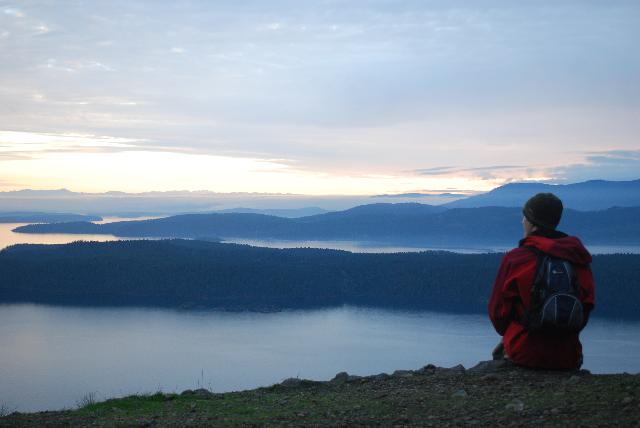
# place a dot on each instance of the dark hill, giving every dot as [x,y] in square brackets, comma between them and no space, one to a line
[584,196]
[181,226]
[402,209]
[181,273]
[409,223]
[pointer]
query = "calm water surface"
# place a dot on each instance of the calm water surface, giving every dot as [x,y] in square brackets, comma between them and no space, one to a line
[377,247]
[8,237]
[363,247]
[52,356]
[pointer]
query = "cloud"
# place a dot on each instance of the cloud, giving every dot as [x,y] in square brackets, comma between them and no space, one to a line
[354,87]
[16,13]
[437,170]
[615,157]
[14,155]
[29,145]
[616,164]
[611,164]
[388,64]
[450,170]
[42,29]
[75,65]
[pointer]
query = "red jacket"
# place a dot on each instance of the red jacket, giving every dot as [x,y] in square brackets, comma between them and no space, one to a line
[511,298]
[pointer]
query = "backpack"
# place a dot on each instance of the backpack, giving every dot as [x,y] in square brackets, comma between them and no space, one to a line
[555,298]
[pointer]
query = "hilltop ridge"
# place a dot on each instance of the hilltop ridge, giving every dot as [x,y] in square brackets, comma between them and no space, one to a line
[392,223]
[493,393]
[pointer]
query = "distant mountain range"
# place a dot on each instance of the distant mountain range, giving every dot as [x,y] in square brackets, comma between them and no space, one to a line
[585,196]
[284,212]
[397,223]
[184,202]
[420,195]
[38,217]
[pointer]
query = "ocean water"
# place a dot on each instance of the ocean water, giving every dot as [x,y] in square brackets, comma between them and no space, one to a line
[8,237]
[51,357]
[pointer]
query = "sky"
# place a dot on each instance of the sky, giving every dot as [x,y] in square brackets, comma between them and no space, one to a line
[317,97]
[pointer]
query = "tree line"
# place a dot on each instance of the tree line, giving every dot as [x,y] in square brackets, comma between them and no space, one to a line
[198,274]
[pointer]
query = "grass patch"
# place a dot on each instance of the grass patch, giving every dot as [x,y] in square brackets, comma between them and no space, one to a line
[87,400]
[547,399]
[6,410]
[131,403]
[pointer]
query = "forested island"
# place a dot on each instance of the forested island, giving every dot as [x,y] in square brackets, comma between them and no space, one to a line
[198,274]
[398,223]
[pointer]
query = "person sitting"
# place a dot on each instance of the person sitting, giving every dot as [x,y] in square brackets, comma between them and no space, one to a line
[540,327]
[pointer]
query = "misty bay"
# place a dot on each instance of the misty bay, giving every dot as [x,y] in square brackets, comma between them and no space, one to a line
[9,237]
[54,356]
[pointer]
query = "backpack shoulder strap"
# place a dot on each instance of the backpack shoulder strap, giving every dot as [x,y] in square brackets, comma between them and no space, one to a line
[540,259]
[536,298]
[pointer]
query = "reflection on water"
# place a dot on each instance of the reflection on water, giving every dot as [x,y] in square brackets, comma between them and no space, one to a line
[380,247]
[8,237]
[114,219]
[52,356]
[362,246]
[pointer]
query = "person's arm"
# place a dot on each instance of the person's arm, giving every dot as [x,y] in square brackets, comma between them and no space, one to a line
[500,306]
[587,292]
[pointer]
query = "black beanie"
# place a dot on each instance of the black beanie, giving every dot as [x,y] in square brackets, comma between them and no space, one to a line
[543,210]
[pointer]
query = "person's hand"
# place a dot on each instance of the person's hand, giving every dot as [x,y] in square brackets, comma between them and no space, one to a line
[498,351]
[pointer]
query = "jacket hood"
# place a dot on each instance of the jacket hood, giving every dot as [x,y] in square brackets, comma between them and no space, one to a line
[567,247]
